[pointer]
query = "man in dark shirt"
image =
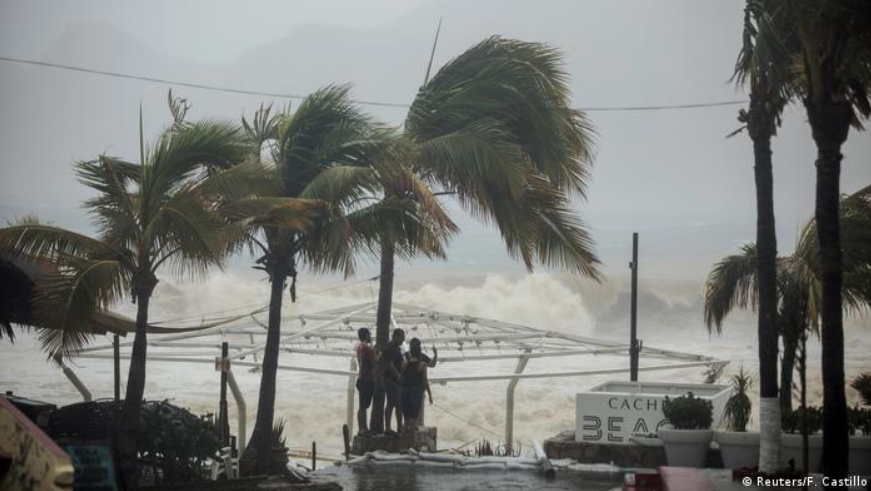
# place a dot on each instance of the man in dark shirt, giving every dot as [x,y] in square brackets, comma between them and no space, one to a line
[395,359]
[365,376]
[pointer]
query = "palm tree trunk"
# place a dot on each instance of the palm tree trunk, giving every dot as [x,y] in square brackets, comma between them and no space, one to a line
[385,293]
[787,370]
[830,123]
[261,439]
[130,414]
[761,128]
[382,331]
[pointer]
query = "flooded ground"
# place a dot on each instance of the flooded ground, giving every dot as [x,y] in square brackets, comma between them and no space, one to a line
[372,478]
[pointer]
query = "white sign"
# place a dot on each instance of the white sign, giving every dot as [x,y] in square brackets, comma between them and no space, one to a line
[615,411]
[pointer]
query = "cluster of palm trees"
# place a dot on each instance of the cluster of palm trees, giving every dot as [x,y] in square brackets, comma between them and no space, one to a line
[817,53]
[313,187]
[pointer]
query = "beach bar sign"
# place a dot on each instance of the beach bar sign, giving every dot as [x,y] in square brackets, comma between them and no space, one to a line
[613,412]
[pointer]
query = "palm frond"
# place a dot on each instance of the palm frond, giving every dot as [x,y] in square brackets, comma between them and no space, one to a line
[54,243]
[731,284]
[64,301]
[185,153]
[520,88]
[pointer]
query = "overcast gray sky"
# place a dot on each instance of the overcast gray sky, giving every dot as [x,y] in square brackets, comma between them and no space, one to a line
[672,175]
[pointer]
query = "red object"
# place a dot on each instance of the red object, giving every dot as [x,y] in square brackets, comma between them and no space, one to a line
[645,481]
[683,479]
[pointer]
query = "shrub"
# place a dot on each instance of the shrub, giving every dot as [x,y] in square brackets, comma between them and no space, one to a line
[738,407]
[862,383]
[688,412]
[174,444]
[859,421]
[791,422]
[178,442]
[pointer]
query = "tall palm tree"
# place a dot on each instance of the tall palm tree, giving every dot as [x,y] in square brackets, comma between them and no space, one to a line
[494,128]
[762,67]
[150,214]
[734,283]
[835,61]
[330,154]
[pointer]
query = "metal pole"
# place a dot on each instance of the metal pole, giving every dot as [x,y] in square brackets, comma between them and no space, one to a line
[349,415]
[241,411]
[117,349]
[509,404]
[224,428]
[633,315]
[77,383]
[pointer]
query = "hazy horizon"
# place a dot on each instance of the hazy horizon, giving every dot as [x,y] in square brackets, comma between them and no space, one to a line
[671,175]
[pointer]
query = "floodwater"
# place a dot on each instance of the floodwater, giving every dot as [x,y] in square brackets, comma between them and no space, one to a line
[378,478]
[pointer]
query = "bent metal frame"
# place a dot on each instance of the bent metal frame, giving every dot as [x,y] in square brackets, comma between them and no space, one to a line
[332,333]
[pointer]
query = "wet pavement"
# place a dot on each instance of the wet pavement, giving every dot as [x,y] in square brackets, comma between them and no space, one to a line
[378,478]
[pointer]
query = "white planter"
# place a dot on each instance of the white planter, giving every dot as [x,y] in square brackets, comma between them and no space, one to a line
[790,448]
[739,449]
[860,455]
[686,448]
[613,412]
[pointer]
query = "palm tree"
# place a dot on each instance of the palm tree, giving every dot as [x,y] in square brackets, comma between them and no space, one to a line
[151,214]
[762,67]
[734,283]
[834,59]
[494,129]
[329,154]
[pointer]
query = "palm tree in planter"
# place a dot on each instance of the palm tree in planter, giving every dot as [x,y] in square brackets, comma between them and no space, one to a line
[689,437]
[494,129]
[738,447]
[763,66]
[159,212]
[332,159]
[835,63]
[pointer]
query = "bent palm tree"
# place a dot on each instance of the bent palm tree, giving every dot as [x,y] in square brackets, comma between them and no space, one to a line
[494,129]
[734,282]
[151,214]
[762,66]
[835,62]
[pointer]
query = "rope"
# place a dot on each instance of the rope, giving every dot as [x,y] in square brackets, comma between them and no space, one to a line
[464,420]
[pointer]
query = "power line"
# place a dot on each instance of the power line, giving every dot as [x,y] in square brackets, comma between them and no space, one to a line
[178,83]
[281,95]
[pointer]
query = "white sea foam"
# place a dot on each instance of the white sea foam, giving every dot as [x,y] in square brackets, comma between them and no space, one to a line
[314,406]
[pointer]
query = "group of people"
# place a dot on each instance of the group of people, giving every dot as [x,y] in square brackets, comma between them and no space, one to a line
[401,376]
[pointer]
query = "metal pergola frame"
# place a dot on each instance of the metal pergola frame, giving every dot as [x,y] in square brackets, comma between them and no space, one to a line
[332,334]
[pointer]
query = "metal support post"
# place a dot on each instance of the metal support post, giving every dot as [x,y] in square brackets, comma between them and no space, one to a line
[77,383]
[349,415]
[241,411]
[509,404]
[633,316]
[117,351]
[223,413]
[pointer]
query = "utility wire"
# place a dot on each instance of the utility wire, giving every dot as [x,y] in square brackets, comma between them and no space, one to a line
[178,83]
[450,413]
[280,95]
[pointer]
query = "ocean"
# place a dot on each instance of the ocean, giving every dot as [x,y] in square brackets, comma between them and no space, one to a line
[313,405]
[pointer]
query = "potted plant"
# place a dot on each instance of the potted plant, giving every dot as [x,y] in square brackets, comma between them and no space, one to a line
[862,384]
[791,440]
[739,448]
[859,423]
[689,436]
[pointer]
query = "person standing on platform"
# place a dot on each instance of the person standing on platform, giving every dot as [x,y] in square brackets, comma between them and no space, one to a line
[365,377]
